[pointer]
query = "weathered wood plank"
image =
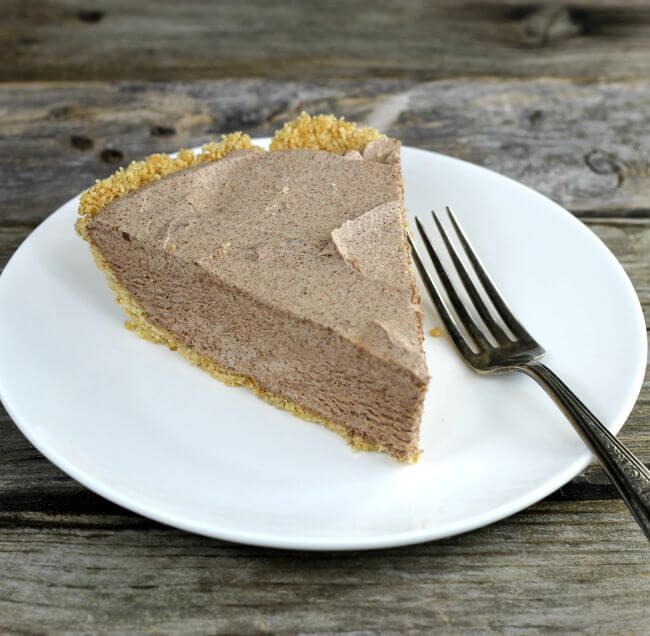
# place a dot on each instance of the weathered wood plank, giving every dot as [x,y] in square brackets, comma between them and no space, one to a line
[416,39]
[629,241]
[556,566]
[10,238]
[584,145]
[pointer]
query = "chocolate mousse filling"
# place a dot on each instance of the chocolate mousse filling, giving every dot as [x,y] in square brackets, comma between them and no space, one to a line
[288,270]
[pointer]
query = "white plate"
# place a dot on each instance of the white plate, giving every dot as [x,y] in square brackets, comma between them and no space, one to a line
[139,425]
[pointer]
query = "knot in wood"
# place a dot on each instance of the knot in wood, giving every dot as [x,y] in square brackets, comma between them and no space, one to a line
[602,162]
[549,24]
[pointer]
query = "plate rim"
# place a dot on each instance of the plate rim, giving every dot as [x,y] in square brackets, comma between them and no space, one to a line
[366,542]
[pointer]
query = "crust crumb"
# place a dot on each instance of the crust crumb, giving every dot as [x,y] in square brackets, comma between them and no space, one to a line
[323,132]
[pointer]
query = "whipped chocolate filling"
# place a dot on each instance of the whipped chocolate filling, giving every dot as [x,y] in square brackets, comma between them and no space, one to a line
[289,267]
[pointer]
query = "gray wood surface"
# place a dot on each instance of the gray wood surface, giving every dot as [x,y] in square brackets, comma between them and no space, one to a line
[570,567]
[418,39]
[584,145]
[554,95]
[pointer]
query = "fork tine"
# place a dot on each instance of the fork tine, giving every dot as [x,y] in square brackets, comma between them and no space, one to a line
[475,297]
[490,288]
[457,303]
[449,322]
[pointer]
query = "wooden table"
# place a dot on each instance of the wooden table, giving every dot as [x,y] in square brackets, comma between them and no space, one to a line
[557,97]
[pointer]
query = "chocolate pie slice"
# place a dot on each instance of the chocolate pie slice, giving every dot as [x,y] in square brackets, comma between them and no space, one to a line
[285,271]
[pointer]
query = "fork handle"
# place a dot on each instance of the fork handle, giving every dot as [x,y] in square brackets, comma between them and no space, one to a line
[625,470]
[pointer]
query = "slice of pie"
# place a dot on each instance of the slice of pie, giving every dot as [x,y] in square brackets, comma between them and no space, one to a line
[285,271]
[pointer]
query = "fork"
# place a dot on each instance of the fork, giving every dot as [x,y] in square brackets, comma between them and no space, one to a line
[519,351]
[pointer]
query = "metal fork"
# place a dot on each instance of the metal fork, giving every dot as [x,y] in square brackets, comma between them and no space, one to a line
[522,353]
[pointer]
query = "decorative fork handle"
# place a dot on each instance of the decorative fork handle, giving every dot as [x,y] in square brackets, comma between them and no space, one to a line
[627,472]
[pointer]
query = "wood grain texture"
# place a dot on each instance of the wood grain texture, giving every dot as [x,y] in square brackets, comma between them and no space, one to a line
[415,39]
[10,238]
[556,566]
[583,145]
